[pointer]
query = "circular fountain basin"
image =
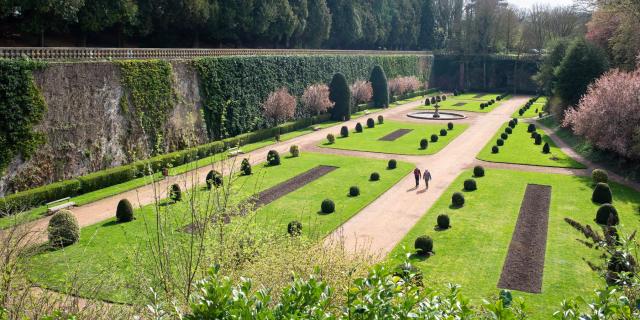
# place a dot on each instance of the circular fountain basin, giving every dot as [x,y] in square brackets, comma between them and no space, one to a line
[429,115]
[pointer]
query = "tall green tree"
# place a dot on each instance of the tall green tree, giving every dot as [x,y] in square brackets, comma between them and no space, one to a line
[98,15]
[545,77]
[318,27]
[427,25]
[380,87]
[340,95]
[42,16]
[346,28]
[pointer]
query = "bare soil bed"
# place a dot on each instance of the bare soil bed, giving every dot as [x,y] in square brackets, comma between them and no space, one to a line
[524,266]
[274,193]
[395,135]
[459,104]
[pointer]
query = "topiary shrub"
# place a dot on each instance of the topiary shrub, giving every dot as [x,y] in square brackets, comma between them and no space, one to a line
[457,199]
[294,228]
[538,140]
[534,135]
[531,127]
[273,158]
[380,119]
[444,97]
[443,132]
[602,193]
[358,127]
[546,148]
[500,142]
[433,100]
[124,211]
[370,123]
[423,245]
[374,176]
[470,185]
[434,138]
[380,87]
[344,131]
[438,99]
[427,102]
[443,222]
[512,124]
[478,171]
[328,206]
[175,193]
[392,164]
[214,179]
[424,144]
[515,120]
[450,125]
[607,215]
[245,167]
[340,95]
[504,136]
[508,130]
[294,150]
[331,138]
[63,229]
[599,175]
[354,191]
[495,149]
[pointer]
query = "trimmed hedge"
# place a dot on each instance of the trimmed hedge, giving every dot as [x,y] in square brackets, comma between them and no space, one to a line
[470,185]
[392,164]
[245,167]
[63,229]
[602,194]
[328,206]
[478,171]
[500,142]
[358,127]
[380,119]
[607,215]
[354,191]
[423,245]
[214,179]
[344,131]
[434,138]
[495,149]
[424,144]
[443,132]
[443,222]
[124,211]
[457,199]
[370,123]
[294,150]
[331,139]
[374,176]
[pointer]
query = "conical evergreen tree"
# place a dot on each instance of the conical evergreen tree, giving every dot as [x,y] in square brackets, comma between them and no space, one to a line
[380,88]
[340,94]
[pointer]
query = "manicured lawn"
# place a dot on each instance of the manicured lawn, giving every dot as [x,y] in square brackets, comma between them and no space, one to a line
[472,105]
[112,252]
[533,111]
[520,149]
[368,140]
[473,251]
[473,96]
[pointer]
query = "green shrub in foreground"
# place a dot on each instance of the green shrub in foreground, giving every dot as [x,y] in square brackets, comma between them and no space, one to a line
[294,228]
[214,179]
[175,193]
[124,211]
[599,175]
[245,167]
[434,138]
[273,158]
[423,245]
[607,215]
[63,229]
[602,194]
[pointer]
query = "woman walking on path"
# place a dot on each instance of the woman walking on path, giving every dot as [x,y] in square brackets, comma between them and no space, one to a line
[427,177]
[416,174]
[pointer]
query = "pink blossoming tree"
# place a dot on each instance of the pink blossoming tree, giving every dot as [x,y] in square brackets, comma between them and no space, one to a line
[280,106]
[361,91]
[316,98]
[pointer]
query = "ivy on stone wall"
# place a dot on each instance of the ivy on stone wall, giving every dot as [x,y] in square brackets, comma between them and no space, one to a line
[149,85]
[22,107]
[233,88]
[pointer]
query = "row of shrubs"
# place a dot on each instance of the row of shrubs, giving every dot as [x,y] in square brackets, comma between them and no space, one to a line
[528,105]
[487,104]
[418,93]
[424,143]
[505,135]
[105,178]
[435,100]
[344,130]
[537,138]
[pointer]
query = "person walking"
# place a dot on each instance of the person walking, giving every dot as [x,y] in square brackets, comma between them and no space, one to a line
[427,177]
[416,174]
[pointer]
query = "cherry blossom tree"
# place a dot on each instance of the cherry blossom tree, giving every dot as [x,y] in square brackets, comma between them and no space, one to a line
[361,91]
[401,85]
[316,98]
[280,106]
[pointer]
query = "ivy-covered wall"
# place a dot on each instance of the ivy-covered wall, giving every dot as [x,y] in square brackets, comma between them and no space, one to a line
[233,88]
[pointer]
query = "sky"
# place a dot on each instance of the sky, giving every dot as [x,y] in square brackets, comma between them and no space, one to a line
[528,3]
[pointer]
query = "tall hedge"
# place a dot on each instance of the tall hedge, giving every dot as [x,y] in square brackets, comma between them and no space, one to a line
[380,87]
[340,95]
[22,107]
[234,87]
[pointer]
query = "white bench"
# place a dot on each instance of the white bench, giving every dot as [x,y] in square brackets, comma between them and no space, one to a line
[52,208]
[232,152]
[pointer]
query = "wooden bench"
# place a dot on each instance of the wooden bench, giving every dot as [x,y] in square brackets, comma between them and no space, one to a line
[53,208]
[232,152]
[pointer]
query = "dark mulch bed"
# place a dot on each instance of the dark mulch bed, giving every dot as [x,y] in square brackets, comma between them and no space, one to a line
[478,96]
[459,104]
[395,135]
[524,265]
[274,193]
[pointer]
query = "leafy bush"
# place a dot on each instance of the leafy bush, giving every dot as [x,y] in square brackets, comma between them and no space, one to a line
[424,144]
[423,245]
[450,125]
[358,127]
[495,149]
[470,185]
[331,139]
[457,199]
[380,119]
[443,132]
[370,123]
[607,215]
[602,193]
[508,130]
[294,228]
[392,164]
[245,167]
[374,176]
[443,222]
[328,206]
[340,95]
[546,148]
[273,158]
[354,191]
[214,179]
[175,193]
[531,127]
[124,211]
[63,229]
[500,142]
[434,138]
[599,175]
[294,150]
[344,131]
[478,171]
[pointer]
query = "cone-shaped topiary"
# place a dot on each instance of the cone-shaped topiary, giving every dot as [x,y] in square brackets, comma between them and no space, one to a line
[423,245]
[424,144]
[478,171]
[328,206]
[294,228]
[495,149]
[380,119]
[245,167]
[457,199]
[450,125]
[380,87]
[273,158]
[607,215]
[370,123]
[602,193]
[443,132]
[340,95]
[214,179]
[358,127]
[392,164]
[443,222]
[63,229]
[344,131]
[124,211]
[599,175]
[470,185]
[175,193]
[546,148]
[374,176]
[294,150]
[331,139]
[434,138]
[354,191]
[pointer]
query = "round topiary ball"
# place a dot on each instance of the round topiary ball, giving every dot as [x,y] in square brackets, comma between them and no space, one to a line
[63,229]
[434,138]
[423,245]
[424,144]
[124,211]
[294,228]
[512,124]
[450,125]
[392,164]
[607,215]
[508,130]
[328,206]
[380,119]
[443,222]
[531,127]
[370,123]
[358,127]
[495,149]
[175,193]
[478,171]
[504,136]
[354,191]
[344,131]
[500,142]
[470,185]
[374,176]
[214,179]
[443,132]
[602,193]
[245,167]
[273,158]
[294,150]
[599,175]
[457,199]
